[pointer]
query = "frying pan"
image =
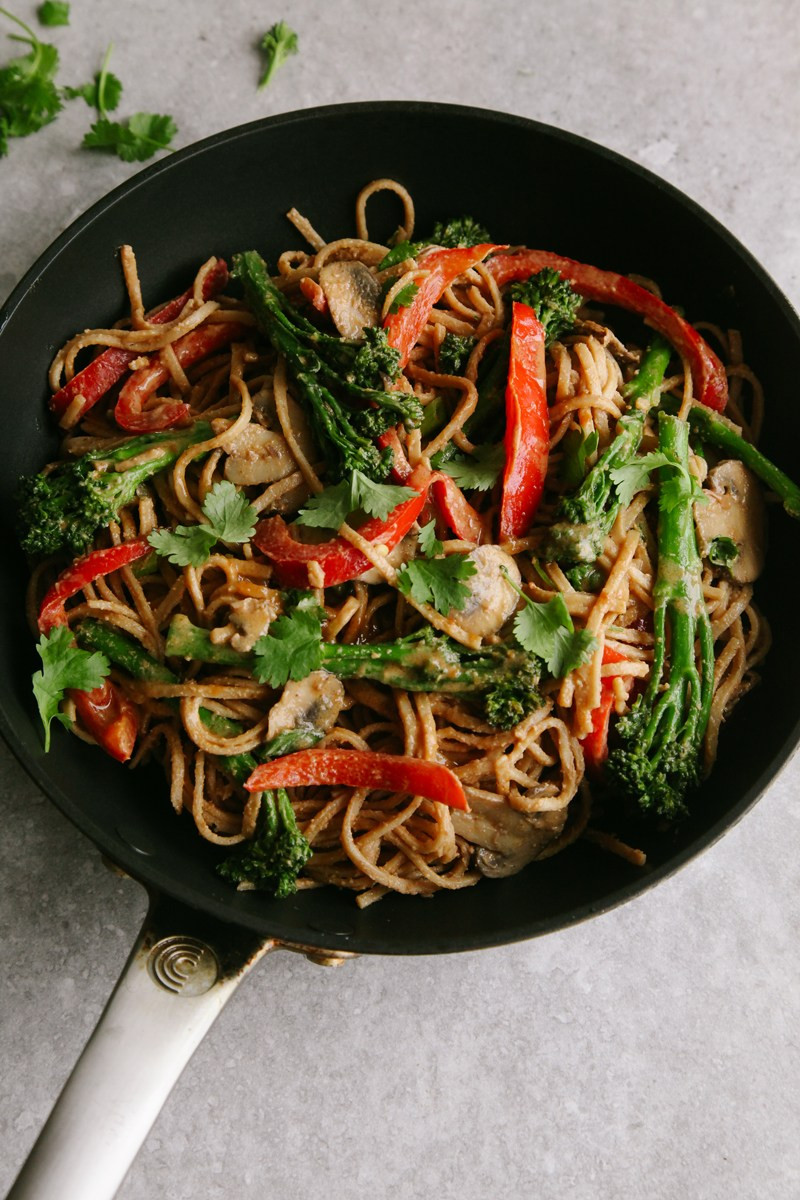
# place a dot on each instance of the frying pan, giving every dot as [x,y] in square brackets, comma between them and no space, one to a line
[528,183]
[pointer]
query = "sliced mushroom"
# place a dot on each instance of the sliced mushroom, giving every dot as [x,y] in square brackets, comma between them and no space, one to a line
[251,618]
[352,292]
[257,455]
[731,525]
[311,703]
[491,599]
[507,840]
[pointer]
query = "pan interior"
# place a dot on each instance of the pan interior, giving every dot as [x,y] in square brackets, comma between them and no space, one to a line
[527,183]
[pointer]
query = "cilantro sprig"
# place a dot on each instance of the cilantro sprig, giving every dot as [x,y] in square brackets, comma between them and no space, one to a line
[437,581]
[429,544]
[634,477]
[134,139]
[291,650]
[547,631]
[331,507]
[63,666]
[230,517]
[404,297]
[479,471]
[278,44]
[53,12]
[29,98]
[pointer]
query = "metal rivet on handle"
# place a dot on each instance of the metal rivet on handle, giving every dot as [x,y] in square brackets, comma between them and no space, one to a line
[183,965]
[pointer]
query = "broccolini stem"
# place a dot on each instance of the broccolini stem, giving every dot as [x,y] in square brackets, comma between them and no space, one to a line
[589,514]
[719,432]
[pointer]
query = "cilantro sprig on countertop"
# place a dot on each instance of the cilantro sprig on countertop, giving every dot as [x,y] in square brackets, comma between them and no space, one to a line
[29,98]
[53,12]
[437,581]
[278,44]
[133,140]
[230,517]
[63,666]
[330,508]
[547,631]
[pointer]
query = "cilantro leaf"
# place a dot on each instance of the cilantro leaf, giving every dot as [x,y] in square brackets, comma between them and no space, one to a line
[404,297]
[291,650]
[635,476]
[480,470]
[53,12]
[576,450]
[63,666]
[437,581]
[134,140]
[429,544]
[29,98]
[230,519]
[278,43]
[546,630]
[103,93]
[331,507]
[400,253]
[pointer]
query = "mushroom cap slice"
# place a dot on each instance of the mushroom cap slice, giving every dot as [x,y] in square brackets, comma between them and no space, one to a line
[734,511]
[353,293]
[507,840]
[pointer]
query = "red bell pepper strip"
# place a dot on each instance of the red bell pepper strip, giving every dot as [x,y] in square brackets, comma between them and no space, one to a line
[105,712]
[130,412]
[595,743]
[85,570]
[110,717]
[361,769]
[450,501]
[607,287]
[104,371]
[527,437]
[339,560]
[314,294]
[404,327]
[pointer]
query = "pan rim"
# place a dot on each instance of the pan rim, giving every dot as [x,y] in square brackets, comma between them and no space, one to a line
[151,875]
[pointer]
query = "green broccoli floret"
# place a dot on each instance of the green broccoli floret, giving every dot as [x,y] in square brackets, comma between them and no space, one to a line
[454,353]
[376,361]
[277,852]
[345,415]
[553,299]
[62,508]
[659,758]
[460,231]
[514,698]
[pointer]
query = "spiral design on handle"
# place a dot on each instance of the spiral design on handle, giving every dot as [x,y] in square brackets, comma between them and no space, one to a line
[183,965]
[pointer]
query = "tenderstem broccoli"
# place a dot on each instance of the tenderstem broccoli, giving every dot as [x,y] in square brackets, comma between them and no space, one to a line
[277,852]
[586,516]
[504,678]
[62,508]
[328,371]
[661,737]
[553,299]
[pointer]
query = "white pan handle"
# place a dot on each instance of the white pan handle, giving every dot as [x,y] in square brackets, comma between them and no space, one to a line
[179,976]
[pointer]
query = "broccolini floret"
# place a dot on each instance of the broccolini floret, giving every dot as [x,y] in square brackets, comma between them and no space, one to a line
[345,415]
[460,231]
[63,507]
[376,361]
[277,852]
[454,353]
[553,299]
[659,758]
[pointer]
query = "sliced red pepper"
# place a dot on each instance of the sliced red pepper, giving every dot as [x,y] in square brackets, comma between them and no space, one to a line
[451,503]
[527,436]
[130,413]
[361,769]
[110,717]
[607,287]
[314,294]
[104,371]
[595,744]
[339,560]
[85,570]
[404,327]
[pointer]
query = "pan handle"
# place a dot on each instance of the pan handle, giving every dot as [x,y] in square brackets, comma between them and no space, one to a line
[181,972]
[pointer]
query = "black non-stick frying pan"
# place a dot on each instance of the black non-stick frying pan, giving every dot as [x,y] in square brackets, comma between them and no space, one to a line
[528,183]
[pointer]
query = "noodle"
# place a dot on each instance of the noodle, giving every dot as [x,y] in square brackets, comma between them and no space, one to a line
[369,841]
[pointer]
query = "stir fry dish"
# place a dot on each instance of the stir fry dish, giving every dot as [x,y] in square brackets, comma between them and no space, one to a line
[411,563]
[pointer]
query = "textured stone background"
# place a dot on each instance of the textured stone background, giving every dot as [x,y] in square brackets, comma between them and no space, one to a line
[651,1052]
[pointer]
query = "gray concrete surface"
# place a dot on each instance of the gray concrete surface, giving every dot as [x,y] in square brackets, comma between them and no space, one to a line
[652,1052]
